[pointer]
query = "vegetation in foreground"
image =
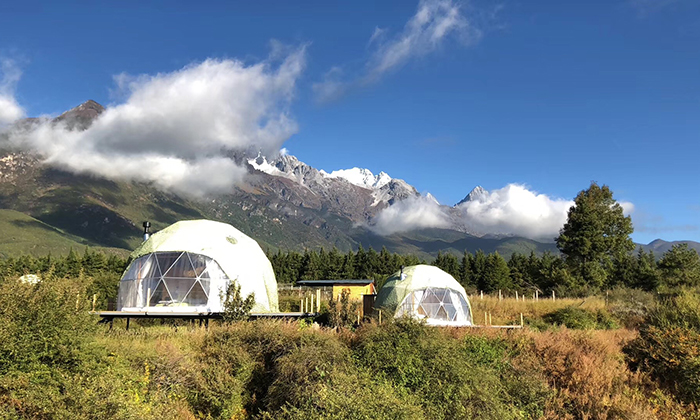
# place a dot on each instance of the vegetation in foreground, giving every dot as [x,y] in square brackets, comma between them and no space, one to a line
[56,362]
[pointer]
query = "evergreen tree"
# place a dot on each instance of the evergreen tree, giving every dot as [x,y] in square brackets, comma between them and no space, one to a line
[680,266]
[479,269]
[348,269]
[496,275]
[465,270]
[646,274]
[596,232]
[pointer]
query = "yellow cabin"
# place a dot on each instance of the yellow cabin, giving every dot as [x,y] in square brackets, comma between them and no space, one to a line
[360,290]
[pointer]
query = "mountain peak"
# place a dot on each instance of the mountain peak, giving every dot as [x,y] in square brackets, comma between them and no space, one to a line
[474,195]
[361,177]
[82,115]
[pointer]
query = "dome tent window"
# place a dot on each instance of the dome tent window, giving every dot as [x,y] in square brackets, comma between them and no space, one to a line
[173,278]
[186,266]
[428,293]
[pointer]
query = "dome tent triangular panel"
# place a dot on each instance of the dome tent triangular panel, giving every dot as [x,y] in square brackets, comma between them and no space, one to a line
[187,266]
[425,292]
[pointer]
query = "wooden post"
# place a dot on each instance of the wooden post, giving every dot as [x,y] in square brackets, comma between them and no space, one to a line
[553,296]
[301,306]
[537,295]
[94,301]
[490,319]
[312,303]
[148,297]
[482,295]
[500,296]
[380,317]
[516,295]
[358,317]
[486,319]
[318,300]
[521,320]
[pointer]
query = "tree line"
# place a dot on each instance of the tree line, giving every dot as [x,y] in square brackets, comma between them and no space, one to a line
[596,253]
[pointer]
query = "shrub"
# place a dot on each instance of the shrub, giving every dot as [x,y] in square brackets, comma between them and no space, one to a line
[668,346]
[581,319]
[236,308]
[449,378]
[45,323]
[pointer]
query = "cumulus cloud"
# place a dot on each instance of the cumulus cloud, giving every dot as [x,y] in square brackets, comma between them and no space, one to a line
[10,74]
[179,130]
[416,212]
[512,210]
[434,22]
[515,210]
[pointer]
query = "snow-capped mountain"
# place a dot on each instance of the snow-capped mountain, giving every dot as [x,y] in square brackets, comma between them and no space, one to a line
[361,177]
[476,194]
[384,189]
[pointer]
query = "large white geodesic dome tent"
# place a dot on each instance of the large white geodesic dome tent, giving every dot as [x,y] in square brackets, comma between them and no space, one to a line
[188,265]
[427,293]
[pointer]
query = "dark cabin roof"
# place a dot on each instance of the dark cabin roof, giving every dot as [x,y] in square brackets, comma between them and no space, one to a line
[333,282]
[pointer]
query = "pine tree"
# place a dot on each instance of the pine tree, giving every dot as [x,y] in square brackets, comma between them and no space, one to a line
[680,266]
[596,232]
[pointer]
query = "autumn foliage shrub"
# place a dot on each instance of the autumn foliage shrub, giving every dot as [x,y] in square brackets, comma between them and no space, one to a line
[668,346]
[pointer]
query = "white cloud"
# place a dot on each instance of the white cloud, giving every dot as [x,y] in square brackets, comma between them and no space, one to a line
[10,74]
[416,212]
[511,210]
[434,22]
[178,129]
[515,210]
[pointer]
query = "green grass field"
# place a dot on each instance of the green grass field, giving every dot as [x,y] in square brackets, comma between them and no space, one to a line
[23,235]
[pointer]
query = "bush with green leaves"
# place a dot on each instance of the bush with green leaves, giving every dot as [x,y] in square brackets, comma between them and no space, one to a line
[581,319]
[449,378]
[668,346]
[236,308]
[45,323]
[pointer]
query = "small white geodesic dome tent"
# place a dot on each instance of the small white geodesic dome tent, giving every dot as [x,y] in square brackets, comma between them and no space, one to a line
[426,292]
[188,265]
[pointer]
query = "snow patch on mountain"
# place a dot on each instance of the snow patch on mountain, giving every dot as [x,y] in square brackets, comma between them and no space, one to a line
[361,177]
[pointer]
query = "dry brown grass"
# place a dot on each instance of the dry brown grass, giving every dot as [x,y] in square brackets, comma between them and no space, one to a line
[507,311]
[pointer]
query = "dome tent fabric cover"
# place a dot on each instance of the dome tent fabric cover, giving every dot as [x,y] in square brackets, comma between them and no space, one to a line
[187,266]
[426,292]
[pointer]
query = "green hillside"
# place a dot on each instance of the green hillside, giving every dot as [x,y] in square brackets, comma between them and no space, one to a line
[25,235]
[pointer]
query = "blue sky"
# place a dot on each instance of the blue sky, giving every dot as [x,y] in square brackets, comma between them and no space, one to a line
[549,94]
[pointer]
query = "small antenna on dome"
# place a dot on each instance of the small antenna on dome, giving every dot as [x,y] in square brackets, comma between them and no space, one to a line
[146,228]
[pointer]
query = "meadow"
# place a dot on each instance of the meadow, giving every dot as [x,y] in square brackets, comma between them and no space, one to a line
[629,354]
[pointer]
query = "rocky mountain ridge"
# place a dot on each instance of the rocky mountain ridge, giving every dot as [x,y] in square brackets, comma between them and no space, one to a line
[283,203]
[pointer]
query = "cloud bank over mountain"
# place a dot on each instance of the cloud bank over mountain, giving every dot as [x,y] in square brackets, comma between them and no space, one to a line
[512,210]
[178,129]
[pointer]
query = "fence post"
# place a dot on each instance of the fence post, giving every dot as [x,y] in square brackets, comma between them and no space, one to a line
[482,295]
[554,298]
[516,295]
[521,320]
[94,301]
[318,300]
